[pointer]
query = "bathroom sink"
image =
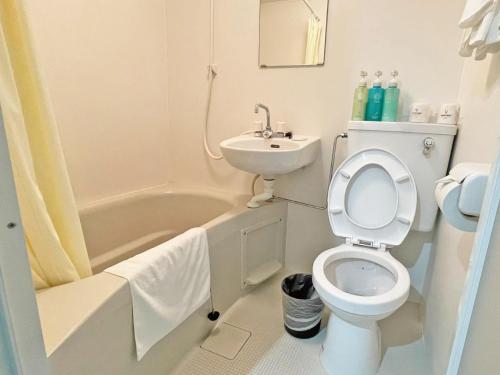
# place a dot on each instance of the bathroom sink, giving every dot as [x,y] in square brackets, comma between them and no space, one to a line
[270,157]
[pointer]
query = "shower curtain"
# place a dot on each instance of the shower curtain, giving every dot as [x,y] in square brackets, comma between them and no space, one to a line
[313,41]
[53,233]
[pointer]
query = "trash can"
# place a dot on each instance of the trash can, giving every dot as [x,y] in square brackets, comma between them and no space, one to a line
[302,307]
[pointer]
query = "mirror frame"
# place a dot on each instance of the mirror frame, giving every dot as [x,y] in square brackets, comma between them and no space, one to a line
[294,65]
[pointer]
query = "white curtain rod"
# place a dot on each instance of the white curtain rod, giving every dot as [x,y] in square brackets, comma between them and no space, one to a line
[306,2]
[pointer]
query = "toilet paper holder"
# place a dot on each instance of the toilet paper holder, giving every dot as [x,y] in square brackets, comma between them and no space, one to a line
[460,194]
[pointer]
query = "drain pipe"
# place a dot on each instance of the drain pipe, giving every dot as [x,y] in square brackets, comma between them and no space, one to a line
[265,196]
[332,165]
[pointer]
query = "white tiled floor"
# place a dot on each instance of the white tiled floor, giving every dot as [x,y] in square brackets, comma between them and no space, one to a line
[271,351]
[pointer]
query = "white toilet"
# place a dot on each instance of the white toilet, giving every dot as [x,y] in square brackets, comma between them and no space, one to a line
[372,203]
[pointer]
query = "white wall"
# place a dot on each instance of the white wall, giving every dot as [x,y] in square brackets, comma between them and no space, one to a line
[384,35]
[106,70]
[479,133]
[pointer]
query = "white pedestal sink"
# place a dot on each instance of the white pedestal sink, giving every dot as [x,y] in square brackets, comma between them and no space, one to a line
[269,157]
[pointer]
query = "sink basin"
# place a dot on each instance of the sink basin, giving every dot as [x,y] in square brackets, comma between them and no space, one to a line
[270,157]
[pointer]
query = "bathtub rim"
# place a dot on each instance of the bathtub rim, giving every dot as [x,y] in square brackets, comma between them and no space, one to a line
[232,198]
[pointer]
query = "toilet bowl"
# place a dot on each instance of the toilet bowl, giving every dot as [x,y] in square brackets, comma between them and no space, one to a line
[360,287]
[371,203]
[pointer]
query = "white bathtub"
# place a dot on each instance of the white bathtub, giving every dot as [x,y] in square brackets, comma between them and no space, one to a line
[119,228]
[87,325]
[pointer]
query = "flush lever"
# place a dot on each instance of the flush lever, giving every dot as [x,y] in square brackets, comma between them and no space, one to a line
[428,145]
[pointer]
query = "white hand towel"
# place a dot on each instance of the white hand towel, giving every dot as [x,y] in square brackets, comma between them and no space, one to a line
[168,283]
[474,12]
[493,38]
[481,53]
[465,47]
[479,34]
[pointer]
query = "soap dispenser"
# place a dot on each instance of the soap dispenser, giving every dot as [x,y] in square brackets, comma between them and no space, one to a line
[360,98]
[391,99]
[375,100]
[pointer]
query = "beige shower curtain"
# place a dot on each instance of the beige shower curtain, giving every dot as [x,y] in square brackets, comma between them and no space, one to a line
[313,41]
[52,227]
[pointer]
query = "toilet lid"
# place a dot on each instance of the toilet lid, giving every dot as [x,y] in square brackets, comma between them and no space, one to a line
[372,199]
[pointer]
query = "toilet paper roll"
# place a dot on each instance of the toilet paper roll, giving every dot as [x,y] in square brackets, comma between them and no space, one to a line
[447,196]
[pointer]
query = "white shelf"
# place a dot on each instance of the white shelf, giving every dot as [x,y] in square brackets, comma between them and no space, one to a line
[263,272]
[408,127]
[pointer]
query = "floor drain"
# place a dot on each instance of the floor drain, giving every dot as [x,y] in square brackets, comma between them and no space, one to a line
[226,340]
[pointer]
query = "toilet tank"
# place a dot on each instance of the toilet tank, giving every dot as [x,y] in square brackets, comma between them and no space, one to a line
[406,140]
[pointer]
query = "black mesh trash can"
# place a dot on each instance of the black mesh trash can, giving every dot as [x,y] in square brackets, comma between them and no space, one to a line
[302,307]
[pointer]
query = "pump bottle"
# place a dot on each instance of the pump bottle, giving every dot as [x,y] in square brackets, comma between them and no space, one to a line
[391,99]
[360,98]
[375,99]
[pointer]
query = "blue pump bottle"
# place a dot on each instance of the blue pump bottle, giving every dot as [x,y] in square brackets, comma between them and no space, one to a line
[375,104]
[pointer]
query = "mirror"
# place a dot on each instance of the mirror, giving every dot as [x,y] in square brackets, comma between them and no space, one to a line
[292,32]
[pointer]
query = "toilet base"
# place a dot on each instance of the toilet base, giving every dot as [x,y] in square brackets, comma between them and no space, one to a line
[351,347]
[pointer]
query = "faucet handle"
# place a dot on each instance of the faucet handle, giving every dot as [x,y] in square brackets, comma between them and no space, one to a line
[258,133]
[288,135]
[267,133]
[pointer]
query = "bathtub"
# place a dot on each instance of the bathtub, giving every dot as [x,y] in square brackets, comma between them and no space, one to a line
[87,325]
[122,227]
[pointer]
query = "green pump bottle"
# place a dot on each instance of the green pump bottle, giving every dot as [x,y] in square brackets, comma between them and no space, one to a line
[360,98]
[391,99]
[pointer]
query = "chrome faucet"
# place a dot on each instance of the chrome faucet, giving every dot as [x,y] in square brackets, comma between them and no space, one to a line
[268,132]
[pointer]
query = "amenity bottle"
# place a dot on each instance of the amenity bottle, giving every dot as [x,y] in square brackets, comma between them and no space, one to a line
[375,103]
[391,99]
[360,98]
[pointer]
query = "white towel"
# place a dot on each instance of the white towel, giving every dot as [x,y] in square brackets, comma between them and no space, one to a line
[481,53]
[479,34]
[492,39]
[481,21]
[466,49]
[168,283]
[474,12]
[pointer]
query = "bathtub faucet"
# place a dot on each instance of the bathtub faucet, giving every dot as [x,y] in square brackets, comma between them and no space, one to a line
[268,132]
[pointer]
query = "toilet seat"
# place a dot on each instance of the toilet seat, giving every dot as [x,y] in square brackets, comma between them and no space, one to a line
[372,202]
[378,305]
[372,199]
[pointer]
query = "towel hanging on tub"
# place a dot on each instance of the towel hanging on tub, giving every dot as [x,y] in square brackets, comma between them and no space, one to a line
[168,283]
